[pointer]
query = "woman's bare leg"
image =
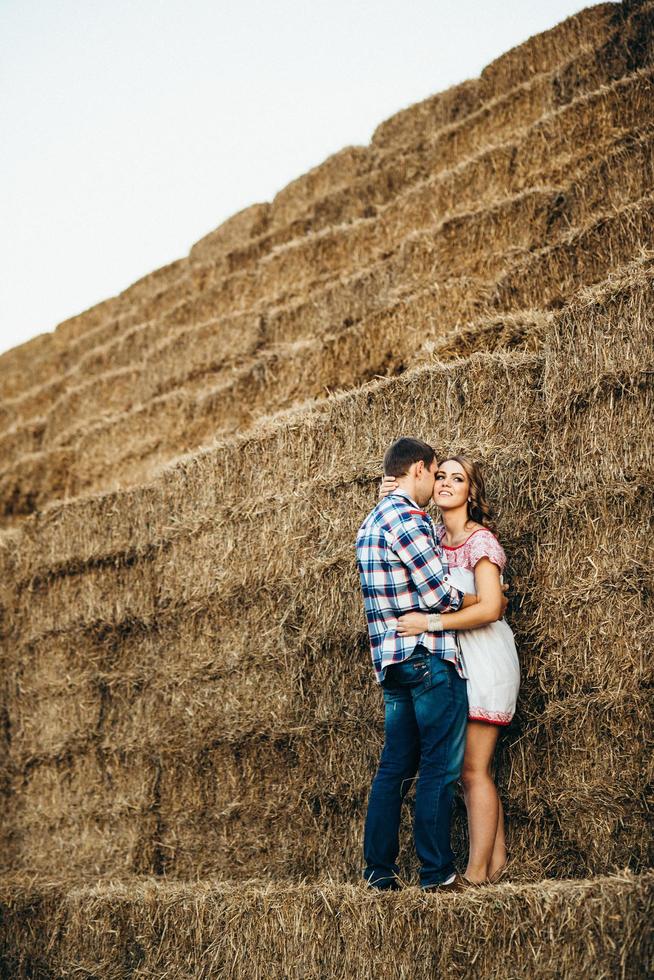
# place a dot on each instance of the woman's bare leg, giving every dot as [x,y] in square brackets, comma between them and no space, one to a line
[482,801]
[498,859]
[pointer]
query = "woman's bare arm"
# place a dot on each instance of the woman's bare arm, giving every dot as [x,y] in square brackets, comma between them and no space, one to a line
[491,603]
[488,609]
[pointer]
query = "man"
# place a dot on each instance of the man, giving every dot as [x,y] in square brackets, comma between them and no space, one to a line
[401,570]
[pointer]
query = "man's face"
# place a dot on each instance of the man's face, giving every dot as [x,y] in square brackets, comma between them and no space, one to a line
[425,478]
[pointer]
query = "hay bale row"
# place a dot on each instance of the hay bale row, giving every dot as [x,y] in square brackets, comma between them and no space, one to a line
[495,162]
[628,297]
[143,289]
[440,162]
[13,361]
[171,425]
[622,50]
[61,353]
[274,280]
[294,931]
[338,170]
[341,249]
[21,369]
[137,586]
[146,678]
[366,294]
[621,106]
[324,313]
[537,55]
[393,175]
[628,166]
[598,384]
[276,378]
[604,434]
[298,202]
[251,222]
[610,435]
[168,342]
[178,688]
[582,615]
[359,423]
[316,182]
[246,793]
[303,371]
[577,771]
[579,258]
[385,184]
[389,200]
[610,343]
[590,586]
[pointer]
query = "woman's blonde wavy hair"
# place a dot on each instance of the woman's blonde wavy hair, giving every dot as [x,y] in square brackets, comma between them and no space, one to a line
[479,509]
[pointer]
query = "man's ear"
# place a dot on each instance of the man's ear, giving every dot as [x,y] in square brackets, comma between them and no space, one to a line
[419,467]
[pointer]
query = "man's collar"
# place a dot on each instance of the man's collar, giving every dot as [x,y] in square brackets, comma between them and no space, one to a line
[403,493]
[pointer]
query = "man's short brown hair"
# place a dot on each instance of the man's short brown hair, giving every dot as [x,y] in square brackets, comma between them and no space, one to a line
[403,453]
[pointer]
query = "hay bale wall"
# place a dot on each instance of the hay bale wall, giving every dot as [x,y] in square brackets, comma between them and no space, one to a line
[186,684]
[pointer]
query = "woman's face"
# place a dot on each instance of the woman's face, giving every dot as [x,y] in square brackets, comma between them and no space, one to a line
[452,485]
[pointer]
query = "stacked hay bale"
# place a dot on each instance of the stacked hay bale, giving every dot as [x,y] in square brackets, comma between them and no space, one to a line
[187,685]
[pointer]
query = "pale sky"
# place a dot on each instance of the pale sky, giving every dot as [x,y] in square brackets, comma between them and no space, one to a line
[131,128]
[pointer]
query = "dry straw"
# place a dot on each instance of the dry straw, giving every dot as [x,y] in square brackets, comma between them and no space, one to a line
[621,46]
[533,58]
[118,929]
[628,166]
[452,189]
[625,299]
[577,259]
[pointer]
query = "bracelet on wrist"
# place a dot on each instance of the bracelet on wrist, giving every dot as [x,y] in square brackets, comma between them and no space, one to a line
[434,623]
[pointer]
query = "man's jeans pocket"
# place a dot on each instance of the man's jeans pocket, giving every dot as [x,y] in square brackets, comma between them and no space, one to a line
[408,673]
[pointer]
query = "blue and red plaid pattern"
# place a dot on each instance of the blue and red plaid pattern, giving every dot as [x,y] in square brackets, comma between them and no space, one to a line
[402,569]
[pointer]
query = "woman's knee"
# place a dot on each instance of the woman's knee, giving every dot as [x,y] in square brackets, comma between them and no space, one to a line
[473,775]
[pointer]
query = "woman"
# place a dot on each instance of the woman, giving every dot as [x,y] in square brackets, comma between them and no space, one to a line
[476,561]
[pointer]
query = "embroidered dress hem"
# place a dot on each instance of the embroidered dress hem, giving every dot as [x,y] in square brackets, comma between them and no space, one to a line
[491,717]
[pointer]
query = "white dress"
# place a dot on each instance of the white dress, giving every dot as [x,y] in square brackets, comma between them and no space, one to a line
[489,655]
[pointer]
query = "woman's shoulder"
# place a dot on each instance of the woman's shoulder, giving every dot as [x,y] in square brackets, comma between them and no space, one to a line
[475,528]
[484,533]
[484,543]
[441,532]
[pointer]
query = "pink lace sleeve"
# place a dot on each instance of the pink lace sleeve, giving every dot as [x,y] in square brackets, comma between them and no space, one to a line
[484,544]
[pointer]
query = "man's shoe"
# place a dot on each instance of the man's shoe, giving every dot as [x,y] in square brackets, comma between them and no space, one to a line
[387,886]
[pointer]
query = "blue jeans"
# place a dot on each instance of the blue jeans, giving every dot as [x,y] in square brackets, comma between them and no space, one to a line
[426,708]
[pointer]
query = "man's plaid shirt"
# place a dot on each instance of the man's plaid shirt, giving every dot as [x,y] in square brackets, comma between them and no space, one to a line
[402,569]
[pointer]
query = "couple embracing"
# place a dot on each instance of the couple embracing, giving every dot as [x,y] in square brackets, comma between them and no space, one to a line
[446,662]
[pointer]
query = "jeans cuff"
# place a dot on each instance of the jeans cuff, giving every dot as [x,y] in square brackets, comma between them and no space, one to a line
[438,879]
